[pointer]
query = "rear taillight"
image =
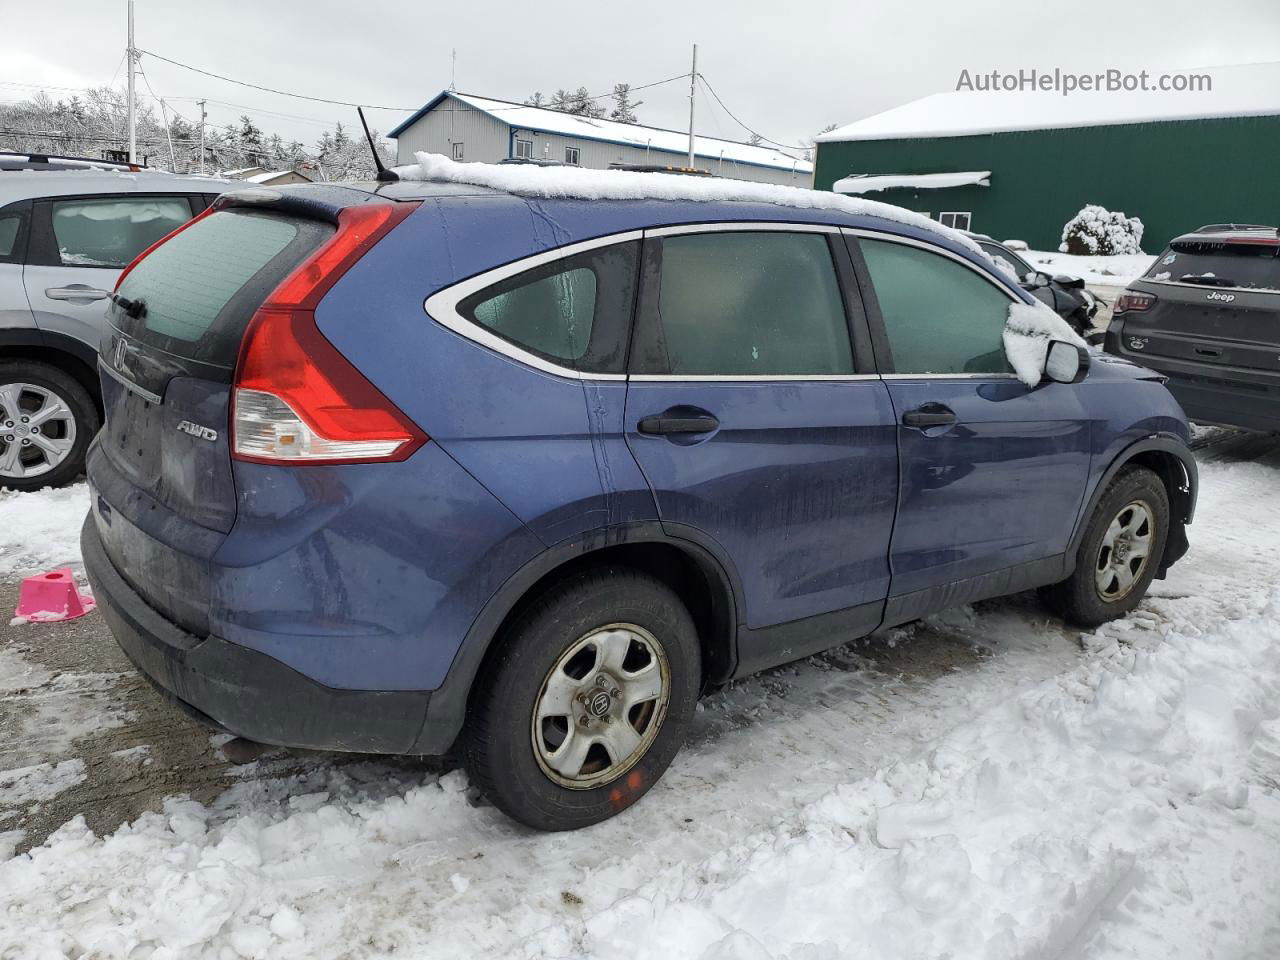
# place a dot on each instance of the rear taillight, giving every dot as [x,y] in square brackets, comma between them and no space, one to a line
[1133,301]
[297,400]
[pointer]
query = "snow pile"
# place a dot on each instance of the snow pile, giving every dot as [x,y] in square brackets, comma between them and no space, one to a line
[1017,835]
[1027,334]
[1115,802]
[1098,231]
[41,529]
[530,180]
[1117,271]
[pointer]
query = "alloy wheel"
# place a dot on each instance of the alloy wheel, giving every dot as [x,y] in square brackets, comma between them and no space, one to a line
[1124,552]
[601,706]
[37,430]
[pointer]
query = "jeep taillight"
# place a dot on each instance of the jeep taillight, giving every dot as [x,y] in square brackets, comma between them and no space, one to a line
[1129,300]
[297,399]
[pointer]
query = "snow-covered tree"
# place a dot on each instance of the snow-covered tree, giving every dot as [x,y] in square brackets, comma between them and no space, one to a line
[1097,231]
[93,122]
[624,111]
[577,102]
[536,100]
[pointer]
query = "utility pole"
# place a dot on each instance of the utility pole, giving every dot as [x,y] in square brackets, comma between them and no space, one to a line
[202,116]
[693,89]
[173,158]
[130,53]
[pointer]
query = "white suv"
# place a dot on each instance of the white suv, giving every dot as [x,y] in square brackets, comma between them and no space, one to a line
[64,238]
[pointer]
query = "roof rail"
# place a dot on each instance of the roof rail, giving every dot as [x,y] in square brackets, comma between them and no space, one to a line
[53,158]
[1228,227]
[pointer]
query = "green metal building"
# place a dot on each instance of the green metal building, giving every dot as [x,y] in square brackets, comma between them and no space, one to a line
[1020,165]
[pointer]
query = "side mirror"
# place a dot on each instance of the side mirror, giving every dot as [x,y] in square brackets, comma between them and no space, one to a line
[1069,282]
[1065,362]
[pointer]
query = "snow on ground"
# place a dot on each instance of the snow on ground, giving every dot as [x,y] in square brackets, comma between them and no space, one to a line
[1042,794]
[41,530]
[1115,271]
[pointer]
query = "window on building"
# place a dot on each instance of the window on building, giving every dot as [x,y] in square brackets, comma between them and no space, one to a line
[573,155]
[457,150]
[111,232]
[524,149]
[575,311]
[751,304]
[959,221]
[939,315]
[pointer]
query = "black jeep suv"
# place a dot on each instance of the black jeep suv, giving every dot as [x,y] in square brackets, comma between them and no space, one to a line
[1207,316]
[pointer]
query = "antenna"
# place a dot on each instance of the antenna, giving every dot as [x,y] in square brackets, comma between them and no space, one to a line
[453,71]
[384,175]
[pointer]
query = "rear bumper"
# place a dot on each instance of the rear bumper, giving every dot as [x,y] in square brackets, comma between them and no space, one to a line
[243,691]
[1215,394]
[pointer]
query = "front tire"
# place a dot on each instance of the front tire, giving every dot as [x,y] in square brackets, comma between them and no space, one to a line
[47,420]
[1120,552]
[585,701]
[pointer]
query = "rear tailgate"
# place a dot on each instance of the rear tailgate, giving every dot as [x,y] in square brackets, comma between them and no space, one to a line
[1217,302]
[1225,327]
[161,467]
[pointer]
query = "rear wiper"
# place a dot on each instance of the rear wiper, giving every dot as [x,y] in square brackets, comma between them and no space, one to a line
[133,309]
[1208,280]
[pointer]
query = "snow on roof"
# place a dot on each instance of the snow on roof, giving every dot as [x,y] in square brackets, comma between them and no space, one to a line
[709,149]
[239,171]
[269,175]
[529,180]
[1247,90]
[870,182]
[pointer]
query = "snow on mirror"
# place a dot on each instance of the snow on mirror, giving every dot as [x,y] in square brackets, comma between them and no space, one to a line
[1028,332]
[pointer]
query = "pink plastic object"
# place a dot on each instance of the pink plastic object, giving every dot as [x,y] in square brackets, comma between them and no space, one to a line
[50,597]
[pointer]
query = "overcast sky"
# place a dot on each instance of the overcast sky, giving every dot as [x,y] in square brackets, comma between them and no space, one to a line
[785,68]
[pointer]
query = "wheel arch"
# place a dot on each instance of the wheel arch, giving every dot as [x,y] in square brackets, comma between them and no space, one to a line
[1172,461]
[72,356]
[682,560]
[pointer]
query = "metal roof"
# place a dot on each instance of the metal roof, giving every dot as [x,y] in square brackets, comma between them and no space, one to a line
[523,116]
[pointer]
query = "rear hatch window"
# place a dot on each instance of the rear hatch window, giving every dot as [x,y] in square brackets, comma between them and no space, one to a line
[1251,266]
[162,465]
[201,288]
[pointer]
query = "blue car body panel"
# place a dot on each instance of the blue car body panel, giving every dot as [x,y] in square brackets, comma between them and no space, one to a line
[999,488]
[811,498]
[798,486]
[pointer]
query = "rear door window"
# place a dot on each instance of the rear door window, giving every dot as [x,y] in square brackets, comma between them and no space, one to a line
[110,232]
[200,289]
[939,316]
[748,303]
[10,230]
[574,312]
[1253,266]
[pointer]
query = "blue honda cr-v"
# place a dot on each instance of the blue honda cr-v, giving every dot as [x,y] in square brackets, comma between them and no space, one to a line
[394,467]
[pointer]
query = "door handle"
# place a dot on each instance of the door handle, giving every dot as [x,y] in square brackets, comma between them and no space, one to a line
[929,415]
[677,422]
[77,292]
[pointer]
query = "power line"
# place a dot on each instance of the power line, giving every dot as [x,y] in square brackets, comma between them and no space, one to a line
[775,143]
[282,93]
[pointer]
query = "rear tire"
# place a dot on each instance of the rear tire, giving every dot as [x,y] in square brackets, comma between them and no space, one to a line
[54,449]
[585,700]
[1120,552]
